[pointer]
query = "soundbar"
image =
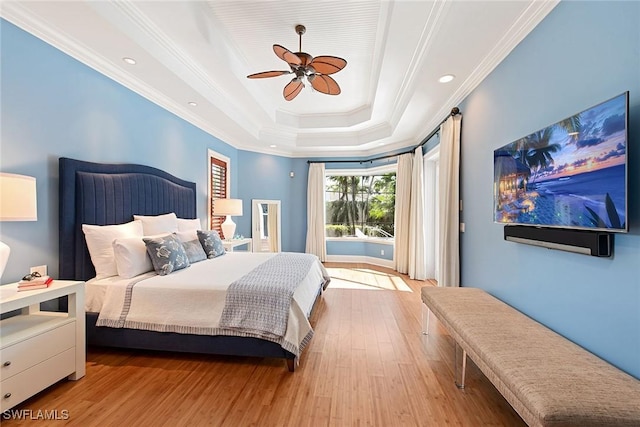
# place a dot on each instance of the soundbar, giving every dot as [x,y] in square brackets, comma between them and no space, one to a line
[595,243]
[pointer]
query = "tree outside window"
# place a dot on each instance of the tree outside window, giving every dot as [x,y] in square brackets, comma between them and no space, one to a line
[360,205]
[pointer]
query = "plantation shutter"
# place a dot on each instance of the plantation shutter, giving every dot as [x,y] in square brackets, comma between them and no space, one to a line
[218,169]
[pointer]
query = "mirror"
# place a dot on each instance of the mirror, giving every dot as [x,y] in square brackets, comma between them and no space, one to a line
[265,220]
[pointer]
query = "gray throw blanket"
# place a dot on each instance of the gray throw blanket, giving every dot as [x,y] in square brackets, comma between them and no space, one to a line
[259,302]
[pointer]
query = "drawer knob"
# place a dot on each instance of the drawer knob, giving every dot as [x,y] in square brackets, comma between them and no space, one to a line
[7,363]
[7,395]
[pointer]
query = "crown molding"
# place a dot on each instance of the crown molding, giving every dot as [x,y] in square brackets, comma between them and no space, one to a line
[352,142]
[18,15]
[527,21]
[176,59]
[422,51]
[326,120]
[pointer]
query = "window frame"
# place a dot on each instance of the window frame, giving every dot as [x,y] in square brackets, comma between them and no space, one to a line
[375,170]
[215,221]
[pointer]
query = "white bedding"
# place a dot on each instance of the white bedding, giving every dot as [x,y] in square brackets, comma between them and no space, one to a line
[192,300]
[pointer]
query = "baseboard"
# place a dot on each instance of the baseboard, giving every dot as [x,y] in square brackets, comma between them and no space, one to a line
[388,263]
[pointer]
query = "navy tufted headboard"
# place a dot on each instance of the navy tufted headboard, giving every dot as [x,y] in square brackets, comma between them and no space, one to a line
[105,194]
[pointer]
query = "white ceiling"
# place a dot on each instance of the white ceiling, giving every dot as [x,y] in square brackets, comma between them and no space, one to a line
[202,51]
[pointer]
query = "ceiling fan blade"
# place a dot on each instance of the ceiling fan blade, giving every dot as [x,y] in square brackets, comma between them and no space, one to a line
[328,64]
[286,55]
[292,89]
[266,74]
[325,84]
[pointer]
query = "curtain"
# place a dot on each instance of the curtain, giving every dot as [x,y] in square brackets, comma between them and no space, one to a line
[403,212]
[272,226]
[315,212]
[449,203]
[417,260]
[431,212]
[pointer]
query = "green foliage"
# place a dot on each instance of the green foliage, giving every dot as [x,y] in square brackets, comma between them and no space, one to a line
[361,201]
[338,230]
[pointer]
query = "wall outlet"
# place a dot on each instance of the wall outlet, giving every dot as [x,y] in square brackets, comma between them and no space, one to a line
[42,269]
[381,251]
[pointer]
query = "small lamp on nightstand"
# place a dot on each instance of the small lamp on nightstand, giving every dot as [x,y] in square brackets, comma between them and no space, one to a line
[17,203]
[228,207]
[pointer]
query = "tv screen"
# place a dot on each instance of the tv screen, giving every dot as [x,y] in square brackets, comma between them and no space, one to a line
[572,174]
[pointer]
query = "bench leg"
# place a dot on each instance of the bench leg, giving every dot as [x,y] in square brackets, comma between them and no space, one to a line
[425,319]
[461,366]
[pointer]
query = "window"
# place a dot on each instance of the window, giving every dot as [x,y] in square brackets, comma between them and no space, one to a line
[360,204]
[218,186]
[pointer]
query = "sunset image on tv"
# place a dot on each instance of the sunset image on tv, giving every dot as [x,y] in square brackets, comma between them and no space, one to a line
[570,174]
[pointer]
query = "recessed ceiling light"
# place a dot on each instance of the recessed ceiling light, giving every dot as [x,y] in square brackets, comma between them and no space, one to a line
[129,61]
[273,146]
[446,78]
[193,104]
[381,143]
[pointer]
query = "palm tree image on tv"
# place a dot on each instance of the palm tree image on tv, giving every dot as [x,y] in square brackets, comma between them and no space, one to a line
[569,174]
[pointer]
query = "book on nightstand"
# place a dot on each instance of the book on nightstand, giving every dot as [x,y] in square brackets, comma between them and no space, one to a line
[38,283]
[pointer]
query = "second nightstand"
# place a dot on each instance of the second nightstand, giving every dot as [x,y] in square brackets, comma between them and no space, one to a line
[230,244]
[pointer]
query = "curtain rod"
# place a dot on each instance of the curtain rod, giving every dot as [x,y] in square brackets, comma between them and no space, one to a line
[454,112]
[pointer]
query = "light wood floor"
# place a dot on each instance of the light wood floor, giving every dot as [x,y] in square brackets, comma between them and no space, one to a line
[367,365]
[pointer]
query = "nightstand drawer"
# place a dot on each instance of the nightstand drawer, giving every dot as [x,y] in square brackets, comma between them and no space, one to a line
[27,353]
[29,382]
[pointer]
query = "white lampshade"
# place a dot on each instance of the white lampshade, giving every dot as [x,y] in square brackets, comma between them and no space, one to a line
[17,203]
[227,207]
[18,198]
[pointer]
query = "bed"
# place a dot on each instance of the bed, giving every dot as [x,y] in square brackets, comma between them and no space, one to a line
[110,194]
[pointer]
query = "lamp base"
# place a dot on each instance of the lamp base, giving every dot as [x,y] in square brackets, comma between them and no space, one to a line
[4,256]
[228,228]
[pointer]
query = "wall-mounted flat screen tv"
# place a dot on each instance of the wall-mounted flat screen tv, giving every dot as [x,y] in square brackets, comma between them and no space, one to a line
[572,174]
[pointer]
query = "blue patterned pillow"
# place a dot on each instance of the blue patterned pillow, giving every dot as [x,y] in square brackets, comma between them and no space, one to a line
[211,243]
[194,251]
[167,254]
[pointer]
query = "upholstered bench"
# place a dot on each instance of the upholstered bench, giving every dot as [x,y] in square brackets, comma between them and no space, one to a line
[549,380]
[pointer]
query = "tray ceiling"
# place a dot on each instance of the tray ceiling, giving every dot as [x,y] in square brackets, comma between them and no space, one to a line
[201,52]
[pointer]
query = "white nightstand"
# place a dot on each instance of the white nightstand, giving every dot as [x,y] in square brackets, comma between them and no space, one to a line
[230,244]
[39,348]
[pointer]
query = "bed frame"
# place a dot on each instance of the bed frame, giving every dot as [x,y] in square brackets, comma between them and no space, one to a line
[106,194]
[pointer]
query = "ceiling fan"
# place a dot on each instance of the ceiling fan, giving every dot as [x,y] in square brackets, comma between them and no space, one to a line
[315,70]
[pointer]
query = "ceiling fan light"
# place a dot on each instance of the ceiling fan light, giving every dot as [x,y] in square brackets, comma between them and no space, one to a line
[315,70]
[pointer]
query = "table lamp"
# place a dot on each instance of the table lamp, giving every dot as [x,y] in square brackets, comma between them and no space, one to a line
[227,207]
[17,203]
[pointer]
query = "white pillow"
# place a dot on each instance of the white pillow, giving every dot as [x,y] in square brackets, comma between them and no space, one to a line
[131,256]
[189,224]
[99,242]
[159,224]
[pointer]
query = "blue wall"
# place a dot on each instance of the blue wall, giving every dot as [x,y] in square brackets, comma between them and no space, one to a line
[360,248]
[581,54]
[54,106]
[263,176]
